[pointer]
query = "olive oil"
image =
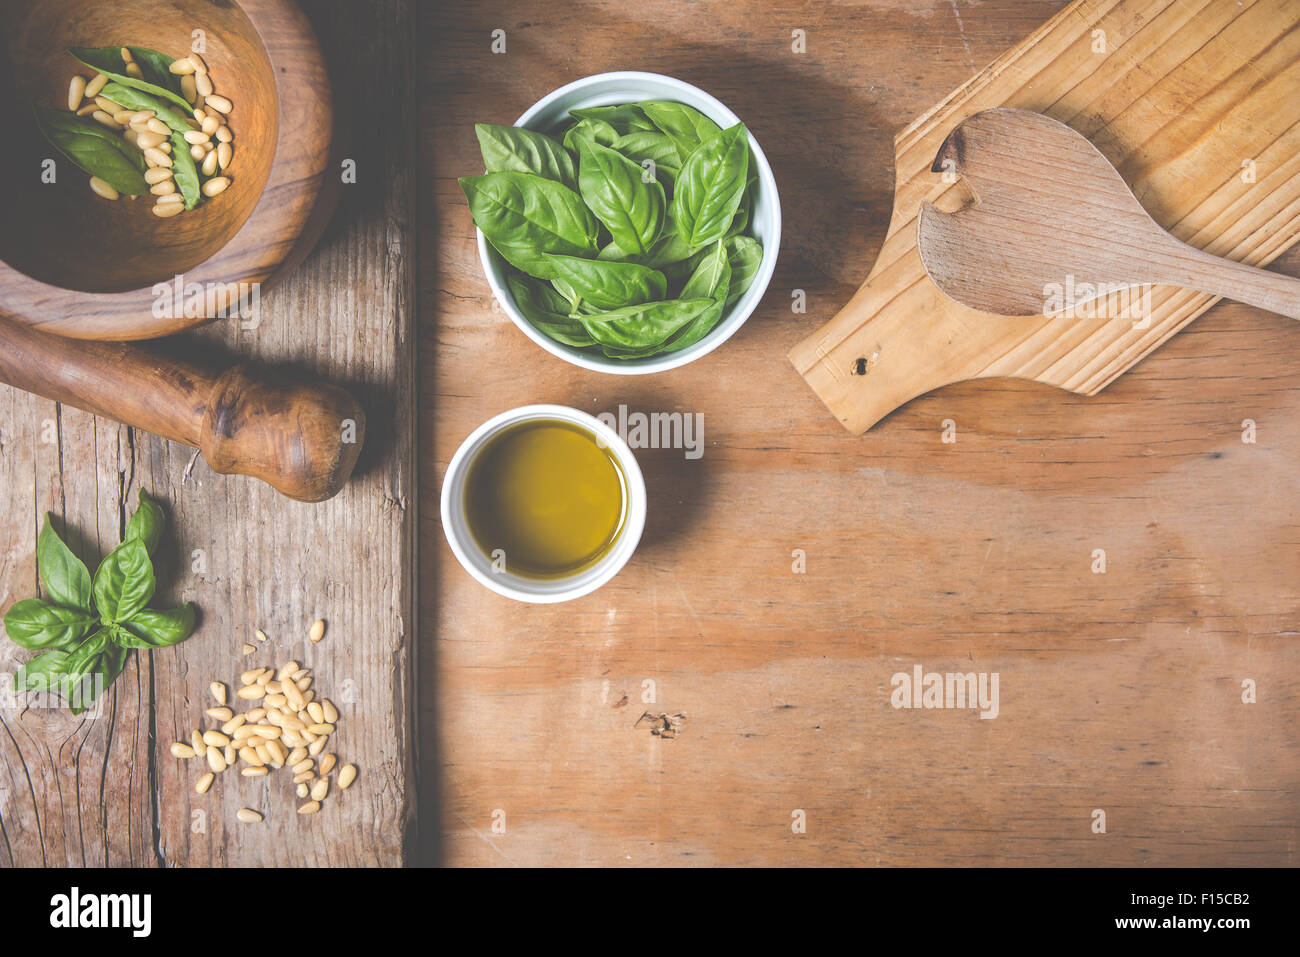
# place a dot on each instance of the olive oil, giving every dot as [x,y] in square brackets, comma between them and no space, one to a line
[548,496]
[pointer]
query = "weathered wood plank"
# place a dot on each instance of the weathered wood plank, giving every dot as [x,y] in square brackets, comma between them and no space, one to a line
[1118,691]
[108,791]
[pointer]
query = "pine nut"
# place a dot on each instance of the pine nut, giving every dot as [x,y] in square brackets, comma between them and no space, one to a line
[182,67]
[317,746]
[257,714]
[97,83]
[321,729]
[296,755]
[303,683]
[246,731]
[196,741]
[248,816]
[217,102]
[300,674]
[249,649]
[268,733]
[230,755]
[108,106]
[249,692]
[317,631]
[102,189]
[76,90]
[264,678]
[87,110]
[217,688]
[233,725]
[131,136]
[167,210]
[317,712]
[203,85]
[216,760]
[304,777]
[171,198]
[272,700]
[301,790]
[199,66]
[182,750]
[133,70]
[277,750]
[327,764]
[105,119]
[157,157]
[273,687]
[305,765]
[195,137]
[224,135]
[215,738]
[320,789]
[205,782]
[122,118]
[256,771]
[331,712]
[158,126]
[142,116]
[149,140]
[166,188]
[210,125]
[294,696]
[249,756]
[127,57]
[251,676]
[287,670]
[311,807]
[197,153]
[346,776]
[218,714]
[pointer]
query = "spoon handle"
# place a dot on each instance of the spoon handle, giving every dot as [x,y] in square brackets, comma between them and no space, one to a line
[1196,269]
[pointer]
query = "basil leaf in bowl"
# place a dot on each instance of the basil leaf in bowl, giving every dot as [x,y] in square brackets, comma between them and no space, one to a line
[94,150]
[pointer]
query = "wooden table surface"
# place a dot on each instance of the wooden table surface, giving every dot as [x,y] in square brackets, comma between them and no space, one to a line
[495,733]
[1120,692]
[107,791]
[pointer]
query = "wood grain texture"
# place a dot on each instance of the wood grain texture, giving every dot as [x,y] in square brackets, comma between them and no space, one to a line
[1119,691]
[56,274]
[1051,213]
[1184,94]
[107,790]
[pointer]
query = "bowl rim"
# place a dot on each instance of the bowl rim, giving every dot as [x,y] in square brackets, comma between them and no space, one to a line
[283,226]
[451,509]
[730,323]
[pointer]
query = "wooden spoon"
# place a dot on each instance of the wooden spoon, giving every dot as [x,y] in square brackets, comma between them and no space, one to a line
[302,439]
[1054,226]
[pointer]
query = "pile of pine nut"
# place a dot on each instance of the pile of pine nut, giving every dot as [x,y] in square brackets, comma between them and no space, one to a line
[286,726]
[210,139]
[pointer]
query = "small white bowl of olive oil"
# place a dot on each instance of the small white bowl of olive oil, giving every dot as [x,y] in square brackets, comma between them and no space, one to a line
[543,504]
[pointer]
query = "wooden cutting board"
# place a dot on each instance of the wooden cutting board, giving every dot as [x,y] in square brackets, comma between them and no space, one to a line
[1196,102]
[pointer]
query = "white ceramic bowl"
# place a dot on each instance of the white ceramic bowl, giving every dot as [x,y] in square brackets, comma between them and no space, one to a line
[551,112]
[540,591]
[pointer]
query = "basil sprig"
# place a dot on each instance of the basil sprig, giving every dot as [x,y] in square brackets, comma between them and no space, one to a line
[627,236]
[85,626]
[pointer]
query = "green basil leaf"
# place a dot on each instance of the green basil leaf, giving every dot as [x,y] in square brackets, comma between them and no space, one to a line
[745,256]
[184,172]
[94,149]
[623,119]
[108,61]
[610,285]
[513,149]
[686,126]
[655,153]
[124,582]
[132,99]
[711,277]
[34,624]
[147,523]
[614,189]
[149,628]
[649,324]
[42,673]
[155,68]
[548,311]
[710,186]
[590,129]
[525,216]
[84,675]
[64,575]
